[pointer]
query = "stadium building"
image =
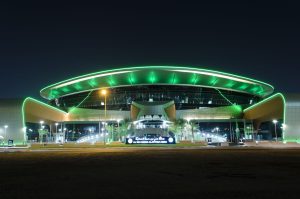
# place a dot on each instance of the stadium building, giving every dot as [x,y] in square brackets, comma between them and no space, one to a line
[181,103]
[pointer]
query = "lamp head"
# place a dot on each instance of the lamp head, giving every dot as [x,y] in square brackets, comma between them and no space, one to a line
[103,92]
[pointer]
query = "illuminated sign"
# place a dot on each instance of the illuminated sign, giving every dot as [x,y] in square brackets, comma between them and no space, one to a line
[147,140]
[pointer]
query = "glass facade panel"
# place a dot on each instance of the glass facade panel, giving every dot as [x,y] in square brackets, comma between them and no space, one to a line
[185,97]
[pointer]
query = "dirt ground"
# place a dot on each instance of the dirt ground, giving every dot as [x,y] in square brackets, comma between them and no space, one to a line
[151,173]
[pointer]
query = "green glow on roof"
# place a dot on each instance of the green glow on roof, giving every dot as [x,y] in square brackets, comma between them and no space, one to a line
[131,79]
[152,77]
[254,89]
[54,91]
[111,81]
[87,77]
[93,83]
[243,86]
[230,84]
[78,86]
[65,89]
[213,81]
[261,90]
[194,79]
[161,75]
[173,79]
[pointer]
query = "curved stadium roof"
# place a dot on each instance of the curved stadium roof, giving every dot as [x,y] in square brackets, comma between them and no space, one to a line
[164,75]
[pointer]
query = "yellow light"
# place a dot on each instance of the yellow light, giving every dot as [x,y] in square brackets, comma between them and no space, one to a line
[103,92]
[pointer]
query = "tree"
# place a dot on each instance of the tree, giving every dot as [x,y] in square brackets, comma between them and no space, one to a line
[193,126]
[124,127]
[110,130]
[177,127]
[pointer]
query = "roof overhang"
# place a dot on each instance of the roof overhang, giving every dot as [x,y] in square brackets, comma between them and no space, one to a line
[160,75]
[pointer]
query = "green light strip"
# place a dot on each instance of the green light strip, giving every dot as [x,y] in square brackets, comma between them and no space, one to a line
[195,78]
[173,78]
[111,81]
[224,96]
[84,77]
[81,101]
[152,77]
[267,99]
[214,81]
[130,79]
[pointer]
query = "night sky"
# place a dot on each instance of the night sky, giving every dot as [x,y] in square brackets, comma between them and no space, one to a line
[41,43]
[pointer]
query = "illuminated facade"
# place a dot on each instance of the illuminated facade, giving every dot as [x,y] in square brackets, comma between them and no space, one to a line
[152,100]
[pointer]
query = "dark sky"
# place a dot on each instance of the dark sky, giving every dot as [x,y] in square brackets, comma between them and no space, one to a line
[43,43]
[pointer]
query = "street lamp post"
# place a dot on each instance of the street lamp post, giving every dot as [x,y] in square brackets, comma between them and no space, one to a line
[118,120]
[56,124]
[41,138]
[40,133]
[275,122]
[41,122]
[283,126]
[5,127]
[102,130]
[65,135]
[104,92]
[56,136]
[247,134]
[104,141]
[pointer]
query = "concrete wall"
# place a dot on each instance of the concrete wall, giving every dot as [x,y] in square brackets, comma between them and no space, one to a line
[292,118]
[11,115]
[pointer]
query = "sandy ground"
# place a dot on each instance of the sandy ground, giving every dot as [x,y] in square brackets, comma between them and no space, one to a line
[151,173]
